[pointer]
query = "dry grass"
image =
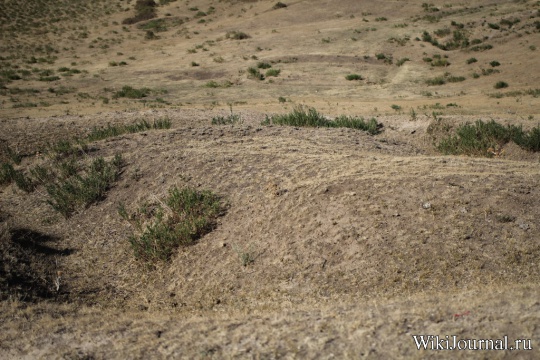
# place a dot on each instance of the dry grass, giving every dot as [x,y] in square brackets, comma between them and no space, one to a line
[335,241]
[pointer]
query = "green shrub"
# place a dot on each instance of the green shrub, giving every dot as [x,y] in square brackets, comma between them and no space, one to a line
[255,73]
[131,93]
[439,80]
[182,218]
[237,35]
[482,138]
[501,85]
[495,63]
[471,60]
[309,117]
[86,188]
[352,77]
[402,61]
[279,5]
[454,79]
[263,65]
[272,72]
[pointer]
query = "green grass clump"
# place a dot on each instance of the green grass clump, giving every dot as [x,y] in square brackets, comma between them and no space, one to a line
[501,85]
[83,188]
[181,219]
[8,175]
[481,138]
[309,117]
[471,60]
[263,65]
[225,120]
[439,80]
[255,73]
[273,72]
[352,77]
[131,93]
[116,130]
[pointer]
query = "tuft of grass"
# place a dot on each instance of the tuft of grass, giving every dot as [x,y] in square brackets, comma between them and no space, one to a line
[402,61]
[83,189]
[309,117]
[481,138]
[471,60]
[237,35]
[501,85]
[352,77]
[272,72]
[279,5]
[255,73]
[181,219]
[439,80]
[263,65]
[8,175]
[131,93]
[116,130]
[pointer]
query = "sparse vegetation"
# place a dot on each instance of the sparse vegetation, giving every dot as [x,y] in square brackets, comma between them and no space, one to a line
[132,93]
[179,220]
[117,130]
[84,188]
[501,85]
[279,5]
[352,77]
[309,117]
[483,138]
[272,72]
[237,35]
[255,73]
[144,10]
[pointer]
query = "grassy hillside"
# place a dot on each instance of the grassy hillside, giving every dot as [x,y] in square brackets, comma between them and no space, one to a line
[254,179]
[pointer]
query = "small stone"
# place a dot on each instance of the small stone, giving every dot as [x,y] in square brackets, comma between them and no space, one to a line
[524,226]
[426,205]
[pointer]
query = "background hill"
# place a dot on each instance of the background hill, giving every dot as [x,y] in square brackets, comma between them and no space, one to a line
[327,241]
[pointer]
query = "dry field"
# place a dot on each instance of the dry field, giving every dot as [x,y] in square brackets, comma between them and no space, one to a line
[330,242]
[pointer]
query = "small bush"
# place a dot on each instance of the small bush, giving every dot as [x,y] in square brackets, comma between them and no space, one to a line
[255,73]
[182,218]
[482,138]
[501,85]
[263,65]
[273,72]
[402,61]
[145,10]
[471,60]
[352,77]
[84,189]
[454,79]
[436,81]
[237,35]
[309,117]
[279,5]
[495,63]
[131,93]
